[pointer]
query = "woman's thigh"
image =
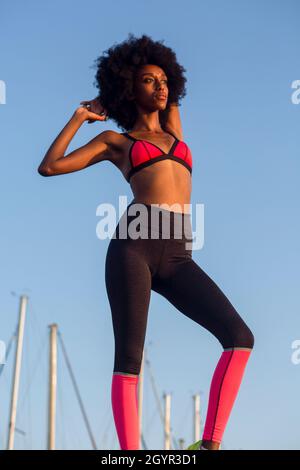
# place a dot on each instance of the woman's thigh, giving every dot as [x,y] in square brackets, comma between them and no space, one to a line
[196,295]
[128,285]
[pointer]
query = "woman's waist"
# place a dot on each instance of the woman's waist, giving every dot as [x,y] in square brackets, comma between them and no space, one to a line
[173,194]
[169,202]
[143,220]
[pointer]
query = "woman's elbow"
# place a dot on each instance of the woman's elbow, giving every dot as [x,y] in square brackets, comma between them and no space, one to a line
[45,171]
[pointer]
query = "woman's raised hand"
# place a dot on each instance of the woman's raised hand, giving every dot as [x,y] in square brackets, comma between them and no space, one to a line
[92,111]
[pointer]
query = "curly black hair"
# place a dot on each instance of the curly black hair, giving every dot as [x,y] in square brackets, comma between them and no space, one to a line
[116,72]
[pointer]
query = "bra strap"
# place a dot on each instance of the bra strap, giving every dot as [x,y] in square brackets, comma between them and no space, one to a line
[171,134]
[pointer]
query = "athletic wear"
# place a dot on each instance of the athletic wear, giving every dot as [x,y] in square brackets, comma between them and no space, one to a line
[125,409]
[143,153]
[223,391]
[134,267]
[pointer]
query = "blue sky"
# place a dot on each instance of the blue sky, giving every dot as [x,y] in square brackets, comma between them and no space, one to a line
[238,118]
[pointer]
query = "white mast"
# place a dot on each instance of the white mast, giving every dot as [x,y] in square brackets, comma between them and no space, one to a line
[140,400]
[17,370]
[52,386]
[167,437]
[196,399]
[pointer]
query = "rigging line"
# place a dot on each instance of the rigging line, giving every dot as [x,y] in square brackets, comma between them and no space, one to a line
[155,390]
[34,316]
[77,392]
[107,427]
[38,360]
[150,420]
[38,333]
[175,442]
[60,400]
[34,322]
[143,442]
[74,437]
[29,382]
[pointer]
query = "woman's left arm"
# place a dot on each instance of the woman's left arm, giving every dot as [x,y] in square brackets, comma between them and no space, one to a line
[173,122]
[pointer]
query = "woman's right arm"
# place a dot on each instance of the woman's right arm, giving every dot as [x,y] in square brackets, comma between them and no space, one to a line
[56,163]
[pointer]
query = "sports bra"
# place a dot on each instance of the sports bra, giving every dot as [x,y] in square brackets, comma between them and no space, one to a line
[143,153]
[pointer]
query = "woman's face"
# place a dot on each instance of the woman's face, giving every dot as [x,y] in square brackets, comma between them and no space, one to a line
[150,84]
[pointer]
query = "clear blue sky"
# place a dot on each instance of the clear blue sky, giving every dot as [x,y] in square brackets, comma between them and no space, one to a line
[241,58]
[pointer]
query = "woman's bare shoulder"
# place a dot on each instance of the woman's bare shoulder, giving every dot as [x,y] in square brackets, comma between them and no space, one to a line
[112,138]
[116,143]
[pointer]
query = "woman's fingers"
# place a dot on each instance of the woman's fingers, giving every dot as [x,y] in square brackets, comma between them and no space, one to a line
[96,116]
[96,112]
[93,106]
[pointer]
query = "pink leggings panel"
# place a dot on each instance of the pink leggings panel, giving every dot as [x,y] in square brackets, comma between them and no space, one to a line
[224,387]
[125,410]
[223,391]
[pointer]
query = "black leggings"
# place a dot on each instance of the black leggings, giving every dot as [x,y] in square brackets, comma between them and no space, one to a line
[135,266]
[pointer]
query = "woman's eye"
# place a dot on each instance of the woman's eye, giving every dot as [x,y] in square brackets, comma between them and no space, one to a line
[152,79]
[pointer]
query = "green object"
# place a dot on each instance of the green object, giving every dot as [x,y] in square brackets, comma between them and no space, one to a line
[195,446]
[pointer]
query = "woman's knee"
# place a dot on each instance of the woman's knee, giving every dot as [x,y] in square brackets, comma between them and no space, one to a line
[243,337]
[248,338]
[239,335]
[128,363]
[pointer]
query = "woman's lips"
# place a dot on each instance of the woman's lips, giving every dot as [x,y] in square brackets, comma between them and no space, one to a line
[160,97]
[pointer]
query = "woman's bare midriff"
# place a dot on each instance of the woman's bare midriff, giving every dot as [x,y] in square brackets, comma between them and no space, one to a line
[165,183]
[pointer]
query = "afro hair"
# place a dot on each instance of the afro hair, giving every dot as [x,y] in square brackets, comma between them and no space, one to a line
[116,71]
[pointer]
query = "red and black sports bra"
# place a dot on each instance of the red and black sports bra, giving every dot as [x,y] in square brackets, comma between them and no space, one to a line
[143,153]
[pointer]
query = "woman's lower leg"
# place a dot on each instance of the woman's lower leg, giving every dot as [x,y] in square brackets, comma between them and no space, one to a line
[125,409]
[223,391]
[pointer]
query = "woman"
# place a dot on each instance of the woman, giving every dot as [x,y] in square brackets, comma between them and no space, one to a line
[141,83]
